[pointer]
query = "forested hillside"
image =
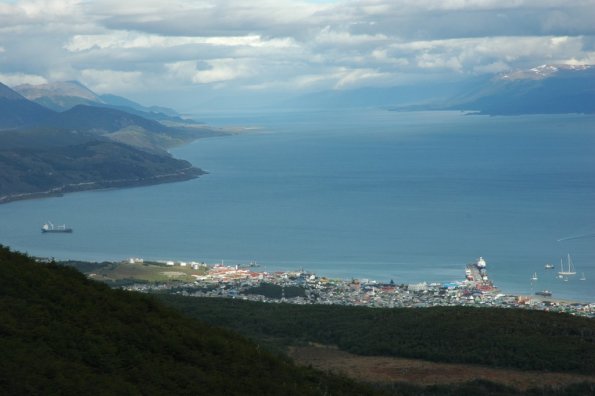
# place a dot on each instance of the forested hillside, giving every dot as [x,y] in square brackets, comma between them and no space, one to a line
[528,340]
[61,334]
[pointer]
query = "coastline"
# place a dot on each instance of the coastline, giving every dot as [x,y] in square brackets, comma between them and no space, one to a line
[181,175]
[197,234]
[184,174]
[199,279]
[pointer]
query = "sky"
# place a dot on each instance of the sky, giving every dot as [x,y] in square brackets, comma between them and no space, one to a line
[179,51]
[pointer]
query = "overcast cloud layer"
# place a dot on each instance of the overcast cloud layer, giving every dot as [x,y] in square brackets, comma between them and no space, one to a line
[165,48]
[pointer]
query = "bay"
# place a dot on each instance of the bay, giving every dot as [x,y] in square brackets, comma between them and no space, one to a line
[364,193]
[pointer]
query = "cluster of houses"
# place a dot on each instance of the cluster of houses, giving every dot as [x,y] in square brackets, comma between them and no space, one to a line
[235,282]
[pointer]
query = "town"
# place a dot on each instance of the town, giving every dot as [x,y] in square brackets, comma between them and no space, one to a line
[300,287]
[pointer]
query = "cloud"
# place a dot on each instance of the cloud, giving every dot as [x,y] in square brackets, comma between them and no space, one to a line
[496,67]
[128,46]
[14,79]
[40,12]
[128,40]
[358,77]
[475,53]
[328,36]
[107,81]
[212,18]
[213,71]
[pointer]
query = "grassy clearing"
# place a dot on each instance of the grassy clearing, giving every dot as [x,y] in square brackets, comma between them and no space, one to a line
[382,369]
[145,272]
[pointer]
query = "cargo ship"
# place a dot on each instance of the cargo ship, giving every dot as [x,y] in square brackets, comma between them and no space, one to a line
[49,227]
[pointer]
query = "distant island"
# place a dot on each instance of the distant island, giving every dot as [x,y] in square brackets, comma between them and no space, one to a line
[48,148]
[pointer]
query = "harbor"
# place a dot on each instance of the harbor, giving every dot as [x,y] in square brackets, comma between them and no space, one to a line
[302,287]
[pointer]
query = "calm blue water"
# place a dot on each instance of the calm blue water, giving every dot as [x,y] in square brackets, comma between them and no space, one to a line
[370,193]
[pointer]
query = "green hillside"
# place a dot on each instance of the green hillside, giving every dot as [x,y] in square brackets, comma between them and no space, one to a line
[527,340]
[88,165]
[61,333]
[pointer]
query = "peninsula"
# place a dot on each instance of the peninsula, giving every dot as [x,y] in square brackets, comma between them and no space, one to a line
[44,152]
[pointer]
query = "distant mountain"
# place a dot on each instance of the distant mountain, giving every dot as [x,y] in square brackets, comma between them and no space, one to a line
[59,96]
[43,152]
[547,89]
[405,95]
[121,102]
[17,111]
[133,129]
[63,334]
[8,94]
[64,95]
[101,119]
[123,127]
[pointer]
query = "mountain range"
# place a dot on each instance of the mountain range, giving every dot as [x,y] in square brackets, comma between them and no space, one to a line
[16,111]
[45,129]
[46,152]
[546,89]
[64,95]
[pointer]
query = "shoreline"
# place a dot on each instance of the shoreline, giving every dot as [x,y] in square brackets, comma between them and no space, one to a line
[367,279]
[238,283]
[189,173]
[181,175]
[196,278]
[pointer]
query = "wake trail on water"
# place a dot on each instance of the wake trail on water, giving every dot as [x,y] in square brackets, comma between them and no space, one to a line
[581,236]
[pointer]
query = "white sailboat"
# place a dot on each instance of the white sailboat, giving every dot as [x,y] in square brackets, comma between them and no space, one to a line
[534,277]
[569,271]
[583,277]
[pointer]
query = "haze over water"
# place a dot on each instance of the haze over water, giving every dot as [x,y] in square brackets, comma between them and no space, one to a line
[365,193]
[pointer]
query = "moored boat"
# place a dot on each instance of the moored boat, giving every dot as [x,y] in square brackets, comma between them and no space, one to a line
[544,293]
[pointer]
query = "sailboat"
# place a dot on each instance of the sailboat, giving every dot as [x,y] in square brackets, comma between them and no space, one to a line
[570,271]
[534,277]
[583,277]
